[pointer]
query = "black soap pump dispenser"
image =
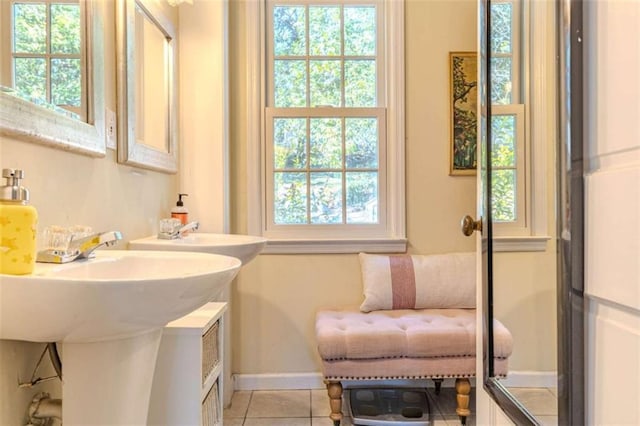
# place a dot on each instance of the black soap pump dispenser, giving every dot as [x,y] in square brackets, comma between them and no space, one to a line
[180,212]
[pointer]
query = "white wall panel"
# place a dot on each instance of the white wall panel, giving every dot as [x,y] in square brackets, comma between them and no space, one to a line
[612,204]
[613,236]
[613,344]
[616,67]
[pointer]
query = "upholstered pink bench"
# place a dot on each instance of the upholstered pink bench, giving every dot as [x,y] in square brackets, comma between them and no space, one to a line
[393,343]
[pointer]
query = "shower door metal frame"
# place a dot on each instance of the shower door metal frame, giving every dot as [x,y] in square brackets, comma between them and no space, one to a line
[570,223]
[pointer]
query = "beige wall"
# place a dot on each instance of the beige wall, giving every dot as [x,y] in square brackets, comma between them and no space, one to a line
[72,189]
[276,296]
[204,165]
[525,301]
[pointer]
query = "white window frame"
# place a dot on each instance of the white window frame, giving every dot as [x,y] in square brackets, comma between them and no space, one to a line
[306,239]
[519,225]
[538,98]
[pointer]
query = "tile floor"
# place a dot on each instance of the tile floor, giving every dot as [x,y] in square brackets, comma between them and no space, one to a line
[541,402]
[311,408]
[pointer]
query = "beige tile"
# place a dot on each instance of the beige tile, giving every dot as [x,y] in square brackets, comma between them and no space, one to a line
[547,420]
[233,422]
[454,420]
[326,421]
[538,401]
[320,409]
[288,421]
[439,420]
[239,404]
[295,403]
[319,403]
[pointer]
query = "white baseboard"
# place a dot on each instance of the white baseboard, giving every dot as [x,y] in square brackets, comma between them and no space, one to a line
[287,381]
[278,381]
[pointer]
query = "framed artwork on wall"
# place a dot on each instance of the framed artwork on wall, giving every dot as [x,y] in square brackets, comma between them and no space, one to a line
[463,82]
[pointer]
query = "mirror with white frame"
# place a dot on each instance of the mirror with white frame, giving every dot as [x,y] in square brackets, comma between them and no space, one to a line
[51,92]
[147,101]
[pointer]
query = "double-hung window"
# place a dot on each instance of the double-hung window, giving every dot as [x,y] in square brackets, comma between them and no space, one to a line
[520,124]
[332,136]
[508,141]
[46,53]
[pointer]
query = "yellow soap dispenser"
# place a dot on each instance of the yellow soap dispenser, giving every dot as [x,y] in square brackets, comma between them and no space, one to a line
[18,223]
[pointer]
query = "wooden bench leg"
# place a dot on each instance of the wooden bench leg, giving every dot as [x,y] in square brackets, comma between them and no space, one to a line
[463,389]
[438,383]
[334,389]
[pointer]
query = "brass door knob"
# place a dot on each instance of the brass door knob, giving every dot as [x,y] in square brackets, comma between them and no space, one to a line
[469,225]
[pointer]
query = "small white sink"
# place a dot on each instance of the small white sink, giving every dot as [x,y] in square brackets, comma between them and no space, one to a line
[114,295]
[243,247]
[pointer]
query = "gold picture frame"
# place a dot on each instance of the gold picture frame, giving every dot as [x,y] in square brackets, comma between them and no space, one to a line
[463,101]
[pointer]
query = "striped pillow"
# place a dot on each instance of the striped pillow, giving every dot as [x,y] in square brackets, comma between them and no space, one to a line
[418,282]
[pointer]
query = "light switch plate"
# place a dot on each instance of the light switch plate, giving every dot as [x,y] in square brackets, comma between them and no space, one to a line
[111,128]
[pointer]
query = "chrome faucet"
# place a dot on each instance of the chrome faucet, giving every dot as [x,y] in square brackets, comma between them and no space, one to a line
[81,248]
[179,232]
[86,245]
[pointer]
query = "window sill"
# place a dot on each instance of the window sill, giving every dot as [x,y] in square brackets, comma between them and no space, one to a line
[383,245]
[520,244]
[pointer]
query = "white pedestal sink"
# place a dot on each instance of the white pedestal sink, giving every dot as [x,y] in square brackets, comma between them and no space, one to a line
[107,314]
[243,247]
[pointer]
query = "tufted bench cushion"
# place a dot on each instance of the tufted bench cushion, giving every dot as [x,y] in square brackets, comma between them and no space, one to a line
[421,343]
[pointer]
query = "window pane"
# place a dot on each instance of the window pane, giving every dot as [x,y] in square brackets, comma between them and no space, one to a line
[503,195]
[30,28]
[289,143]
[65,82]
[501,80]
[361,143]
[503,140]
[290,84]
[326,143]
[65,28]
[360,31]
[289,31]
[326,198]
[501,18]
[31,79]
[324,31]
[362,197]
[360,83]
[325,82]
[290,198]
